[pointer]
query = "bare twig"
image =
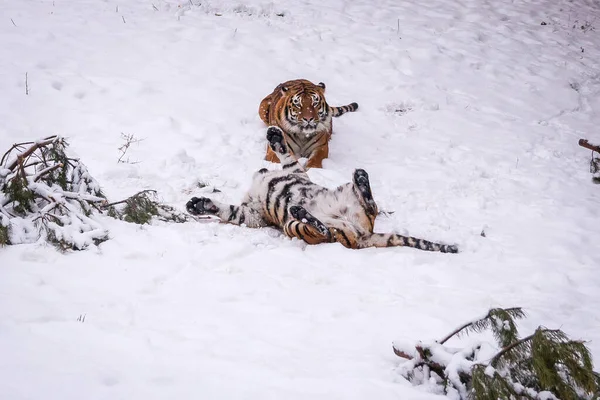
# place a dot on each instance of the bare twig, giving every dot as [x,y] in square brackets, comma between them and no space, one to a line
[155,9]
[11,20]
[129,140]
[123,19]
[26,85]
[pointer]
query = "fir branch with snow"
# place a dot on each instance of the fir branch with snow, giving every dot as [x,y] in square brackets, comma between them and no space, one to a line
[544,365]
[44,193]
[142,207]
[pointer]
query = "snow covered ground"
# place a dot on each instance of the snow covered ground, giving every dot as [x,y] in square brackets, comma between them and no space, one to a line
[470,112]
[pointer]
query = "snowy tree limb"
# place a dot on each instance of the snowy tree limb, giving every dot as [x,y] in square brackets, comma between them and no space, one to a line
[127,199]
[28,152]
[46,171]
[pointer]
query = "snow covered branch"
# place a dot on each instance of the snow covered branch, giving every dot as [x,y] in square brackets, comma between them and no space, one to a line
[544,365]
[49,198]
[46,195]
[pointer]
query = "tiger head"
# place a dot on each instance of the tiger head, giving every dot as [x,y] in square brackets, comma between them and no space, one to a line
[305,109]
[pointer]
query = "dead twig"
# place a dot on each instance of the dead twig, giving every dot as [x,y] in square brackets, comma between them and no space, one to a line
[129,140]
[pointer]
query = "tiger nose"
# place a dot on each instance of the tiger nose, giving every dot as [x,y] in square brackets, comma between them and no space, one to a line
[311,119]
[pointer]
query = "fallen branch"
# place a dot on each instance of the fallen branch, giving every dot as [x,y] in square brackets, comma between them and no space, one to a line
[587,145]
[129,198]
[28,152]
[544,365]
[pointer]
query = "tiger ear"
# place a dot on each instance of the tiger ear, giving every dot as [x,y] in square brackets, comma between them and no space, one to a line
[321,84]
[284,89]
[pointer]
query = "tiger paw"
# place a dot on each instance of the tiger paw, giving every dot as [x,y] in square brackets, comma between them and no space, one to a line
[361,181]
[275,138]
[305,217]
[201,206]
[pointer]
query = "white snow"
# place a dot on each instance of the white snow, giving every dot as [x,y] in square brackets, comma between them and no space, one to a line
[470,113]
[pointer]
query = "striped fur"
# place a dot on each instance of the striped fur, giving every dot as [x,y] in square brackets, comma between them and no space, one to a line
[299,108]
[288,200]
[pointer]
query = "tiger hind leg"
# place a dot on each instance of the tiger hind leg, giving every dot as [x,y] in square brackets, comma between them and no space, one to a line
[362,185]
[231,214]
[393,239]
[306,227]
[280,150]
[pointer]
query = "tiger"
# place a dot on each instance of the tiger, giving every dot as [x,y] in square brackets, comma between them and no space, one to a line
[287,200]
[299,108]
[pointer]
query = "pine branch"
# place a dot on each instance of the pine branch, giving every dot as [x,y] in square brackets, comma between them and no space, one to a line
[26,153]
[46,171]
[490,320]
[129,198]
[494,360]
[456,331]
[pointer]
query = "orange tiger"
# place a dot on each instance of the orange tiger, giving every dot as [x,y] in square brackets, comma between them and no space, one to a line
[299,108]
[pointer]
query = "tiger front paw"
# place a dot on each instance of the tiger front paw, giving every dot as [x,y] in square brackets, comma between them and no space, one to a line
[201,206]
[275,138]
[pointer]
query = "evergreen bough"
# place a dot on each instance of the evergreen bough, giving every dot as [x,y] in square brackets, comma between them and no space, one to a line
[142,207]
[544,365]
[45,194]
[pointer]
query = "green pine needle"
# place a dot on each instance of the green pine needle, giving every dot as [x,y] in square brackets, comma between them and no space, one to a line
[4,236]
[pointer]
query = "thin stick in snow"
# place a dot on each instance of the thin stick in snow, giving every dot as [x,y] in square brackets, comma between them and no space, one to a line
[123,19]
[26,85]
[11,20]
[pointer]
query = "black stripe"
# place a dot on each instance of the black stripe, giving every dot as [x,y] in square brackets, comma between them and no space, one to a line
[291,138]
[272,183]
[232,213]
[285,208]
[360,197]
[306,232]
[297,231]
[290,165]
[390,241]
[319,140]
[242,218]
[285,191]
[344,236]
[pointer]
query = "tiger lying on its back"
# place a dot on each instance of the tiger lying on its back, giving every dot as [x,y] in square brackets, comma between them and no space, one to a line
[288,200]
[299,108]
